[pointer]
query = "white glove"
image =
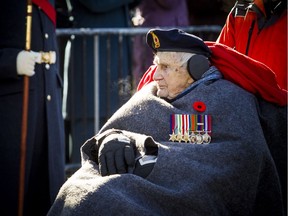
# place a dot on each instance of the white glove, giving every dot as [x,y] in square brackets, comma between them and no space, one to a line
[25,62]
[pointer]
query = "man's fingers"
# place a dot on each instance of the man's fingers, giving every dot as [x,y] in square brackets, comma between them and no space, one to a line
[119,161]
[110,163]
[129,158]
[102,165]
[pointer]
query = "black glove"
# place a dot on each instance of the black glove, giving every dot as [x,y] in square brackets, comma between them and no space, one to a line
[116,154]
[119,151]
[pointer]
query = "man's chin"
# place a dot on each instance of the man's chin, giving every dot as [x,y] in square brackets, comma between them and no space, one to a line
[161,93]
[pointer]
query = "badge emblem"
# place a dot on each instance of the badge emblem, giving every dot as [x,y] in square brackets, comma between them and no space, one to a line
[155,40]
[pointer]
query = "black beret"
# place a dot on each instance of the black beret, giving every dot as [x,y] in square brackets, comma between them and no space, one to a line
[176,40]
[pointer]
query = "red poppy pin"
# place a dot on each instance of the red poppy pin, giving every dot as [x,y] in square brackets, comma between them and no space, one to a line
[199,106]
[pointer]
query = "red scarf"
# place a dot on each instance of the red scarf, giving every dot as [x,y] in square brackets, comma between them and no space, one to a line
[240,69]
[48,9]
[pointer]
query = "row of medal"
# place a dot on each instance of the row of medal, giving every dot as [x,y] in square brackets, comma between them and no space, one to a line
[195,138]
[190,128]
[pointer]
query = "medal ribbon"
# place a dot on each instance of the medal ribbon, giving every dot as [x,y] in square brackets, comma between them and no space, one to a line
[183,123]
[187,124]
[179,126]
[193,123]
[172,123]
[200,123]
[208,123]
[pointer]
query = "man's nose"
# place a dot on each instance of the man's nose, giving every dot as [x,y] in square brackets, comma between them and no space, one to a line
[157,75]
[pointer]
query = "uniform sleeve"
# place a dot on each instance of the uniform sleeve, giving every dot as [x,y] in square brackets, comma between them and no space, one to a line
[8,63]
[227,34]
[103,6]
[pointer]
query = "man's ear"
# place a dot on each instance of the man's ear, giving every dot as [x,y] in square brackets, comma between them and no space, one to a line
[190,80]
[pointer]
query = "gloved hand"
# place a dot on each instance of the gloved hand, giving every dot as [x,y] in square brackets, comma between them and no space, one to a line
[119,151]
[25,62]
[116,155]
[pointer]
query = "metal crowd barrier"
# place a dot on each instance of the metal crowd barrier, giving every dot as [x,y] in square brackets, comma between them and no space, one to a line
[206,32]
[202,30]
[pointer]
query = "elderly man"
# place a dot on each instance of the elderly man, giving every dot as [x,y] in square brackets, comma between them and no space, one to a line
[188,143]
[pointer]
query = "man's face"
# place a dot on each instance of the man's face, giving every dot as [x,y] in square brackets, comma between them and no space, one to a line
[171,78]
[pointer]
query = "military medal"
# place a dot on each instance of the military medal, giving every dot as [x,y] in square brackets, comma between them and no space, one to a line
[206,138]
[207,124]
[190,128]
[186,137]
[199,138]
[172,137]
[172,128]
[185,120]
[179,137]
[180,127]
[193,138]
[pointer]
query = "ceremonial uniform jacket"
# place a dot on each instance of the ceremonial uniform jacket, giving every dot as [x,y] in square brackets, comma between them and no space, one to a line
[252,31]
[45,132]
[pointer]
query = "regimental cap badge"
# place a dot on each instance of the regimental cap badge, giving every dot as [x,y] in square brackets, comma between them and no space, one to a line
[156,41]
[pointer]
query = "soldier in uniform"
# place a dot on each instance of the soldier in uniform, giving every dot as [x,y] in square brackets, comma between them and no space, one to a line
[44,165]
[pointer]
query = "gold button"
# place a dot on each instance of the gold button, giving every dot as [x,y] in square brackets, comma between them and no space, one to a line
[48,97]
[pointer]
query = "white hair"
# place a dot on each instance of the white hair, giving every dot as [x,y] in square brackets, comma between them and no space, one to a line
[177,59]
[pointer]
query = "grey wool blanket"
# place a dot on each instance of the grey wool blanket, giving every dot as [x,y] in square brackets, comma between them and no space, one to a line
[232,175]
